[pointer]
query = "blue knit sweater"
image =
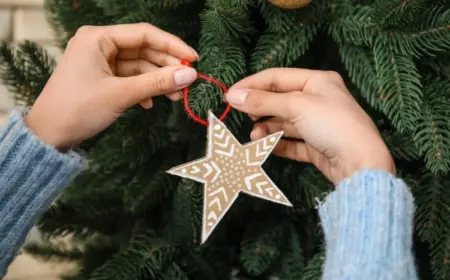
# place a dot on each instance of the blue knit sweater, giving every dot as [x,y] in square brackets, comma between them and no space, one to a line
[367,221]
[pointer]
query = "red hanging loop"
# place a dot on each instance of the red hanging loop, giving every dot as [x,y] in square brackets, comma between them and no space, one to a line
[186,96]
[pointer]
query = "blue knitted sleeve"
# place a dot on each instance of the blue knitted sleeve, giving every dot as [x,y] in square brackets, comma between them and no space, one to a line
[368,226]
[32,174]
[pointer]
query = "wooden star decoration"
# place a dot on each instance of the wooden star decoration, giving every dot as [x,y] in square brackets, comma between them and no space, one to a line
[228,169]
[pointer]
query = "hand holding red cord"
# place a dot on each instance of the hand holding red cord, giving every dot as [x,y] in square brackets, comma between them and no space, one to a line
[104,71]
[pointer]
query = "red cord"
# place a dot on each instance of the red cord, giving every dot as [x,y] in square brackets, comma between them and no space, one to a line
[186,96]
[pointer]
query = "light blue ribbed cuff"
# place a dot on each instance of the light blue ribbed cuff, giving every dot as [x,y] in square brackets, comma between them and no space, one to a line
[32,174]
[367,223]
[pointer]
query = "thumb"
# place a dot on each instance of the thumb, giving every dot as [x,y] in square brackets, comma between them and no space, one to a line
[264,103]
[159,82]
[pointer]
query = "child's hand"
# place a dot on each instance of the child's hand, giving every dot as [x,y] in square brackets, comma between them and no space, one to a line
[104,71]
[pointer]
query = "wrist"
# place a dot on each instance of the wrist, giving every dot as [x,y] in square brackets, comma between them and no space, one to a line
[47,133]
[379,159]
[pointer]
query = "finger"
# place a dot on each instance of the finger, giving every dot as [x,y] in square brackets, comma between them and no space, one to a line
[292,150]
[175,96]
[139,35]
[274,125]
[126,68]
[278,80]
[133,90]
[154,56]
[265,103]
[147,104]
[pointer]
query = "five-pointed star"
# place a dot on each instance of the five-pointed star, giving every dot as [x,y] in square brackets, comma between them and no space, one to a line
[228,169]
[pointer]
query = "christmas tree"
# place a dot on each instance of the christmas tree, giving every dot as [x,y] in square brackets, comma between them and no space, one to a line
[130,219]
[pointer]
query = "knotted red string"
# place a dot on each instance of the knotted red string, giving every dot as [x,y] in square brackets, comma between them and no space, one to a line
[186,96]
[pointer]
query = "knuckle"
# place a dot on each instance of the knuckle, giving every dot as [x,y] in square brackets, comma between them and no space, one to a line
[160,83]
[71,42]
[144,25]
[256,100]
[334,76]
[85,31]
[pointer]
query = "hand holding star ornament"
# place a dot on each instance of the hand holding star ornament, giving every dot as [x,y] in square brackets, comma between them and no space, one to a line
[228,169]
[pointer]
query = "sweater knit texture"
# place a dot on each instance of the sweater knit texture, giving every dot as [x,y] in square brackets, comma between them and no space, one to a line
[32,174]
[367,220]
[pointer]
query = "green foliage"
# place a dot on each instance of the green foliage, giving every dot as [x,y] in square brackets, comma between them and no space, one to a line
[145,256]
[401,145]
[429,34]
[400,86]
[432,131]
[292,260]
[394,12]
[272,49]
[313,270]
[53,252]
[440,252]
[263,247]
[186,215]
[25,70]
[68,15]
[147,190]
[432,197]
[360,65]
[135,221]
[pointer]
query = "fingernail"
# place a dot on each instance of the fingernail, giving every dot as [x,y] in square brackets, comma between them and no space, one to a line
[185,76]
[237,96]
[196,54]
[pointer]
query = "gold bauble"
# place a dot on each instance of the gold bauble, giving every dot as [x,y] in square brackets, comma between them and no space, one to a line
[290,4]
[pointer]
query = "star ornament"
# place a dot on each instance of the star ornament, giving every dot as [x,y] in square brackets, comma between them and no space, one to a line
[228,169]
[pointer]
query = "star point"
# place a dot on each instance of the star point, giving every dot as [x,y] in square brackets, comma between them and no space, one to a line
[217,171]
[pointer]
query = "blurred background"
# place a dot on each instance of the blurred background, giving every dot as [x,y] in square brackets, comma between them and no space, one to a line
[25,20]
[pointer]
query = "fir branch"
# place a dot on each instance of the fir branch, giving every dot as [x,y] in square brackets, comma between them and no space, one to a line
[70,15]
[400,145]
[361,68]
[226,21]
[394,12]
[117,8]
[165,5]
[132,140]
[314,186]
[282,49]
[63,219]
[353,26]
[284,21]
[25,70]
[432,197]
[148,189]
[259,250]
[313,270]
[222,54]
[146,256]
[440,257]
[175,272]
[438,66]
[292,261]
[53,252]
[429,34]
[182,227]
[432,131]
[400,86]
[225,63]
